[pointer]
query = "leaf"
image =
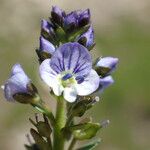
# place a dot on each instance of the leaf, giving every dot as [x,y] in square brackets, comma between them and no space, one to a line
[90,146]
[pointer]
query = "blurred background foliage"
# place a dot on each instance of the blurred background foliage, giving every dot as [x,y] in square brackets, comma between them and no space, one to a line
[122,30]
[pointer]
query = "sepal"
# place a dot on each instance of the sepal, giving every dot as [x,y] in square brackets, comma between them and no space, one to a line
[90,146]
[85,131]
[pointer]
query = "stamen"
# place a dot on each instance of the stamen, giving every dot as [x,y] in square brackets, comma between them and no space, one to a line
[80,79]
[67,76]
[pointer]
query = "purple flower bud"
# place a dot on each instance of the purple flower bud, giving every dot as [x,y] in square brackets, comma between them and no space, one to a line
[18,86]
[87,39]
[106,65]
[70,21]
[46,46]
[84,17]
[45,25]
[104,83]
[57,15]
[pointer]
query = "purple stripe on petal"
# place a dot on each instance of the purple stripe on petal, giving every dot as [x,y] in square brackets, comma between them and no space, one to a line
[73,57]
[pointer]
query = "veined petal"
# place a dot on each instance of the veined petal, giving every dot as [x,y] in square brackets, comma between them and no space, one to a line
[90,84]
[17,69]
[47,74]
[70,94]
[46,46]
[73,57]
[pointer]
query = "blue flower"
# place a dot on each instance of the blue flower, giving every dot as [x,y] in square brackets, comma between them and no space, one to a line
[46,46]
[69,71]
[106,65]
[87,39]
[17,83]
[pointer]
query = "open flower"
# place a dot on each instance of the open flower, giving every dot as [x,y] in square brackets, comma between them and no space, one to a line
[69,71]
[17,87]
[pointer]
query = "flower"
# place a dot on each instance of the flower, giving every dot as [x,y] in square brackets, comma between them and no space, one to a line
[69,71]
[18,86]
[87,39]
[106,65]
[104,83]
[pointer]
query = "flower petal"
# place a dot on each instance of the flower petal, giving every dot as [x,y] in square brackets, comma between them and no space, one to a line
[90,84]
[70,94]
[73,57]
[104,83]
[46,46]
[49,76]
[17,69]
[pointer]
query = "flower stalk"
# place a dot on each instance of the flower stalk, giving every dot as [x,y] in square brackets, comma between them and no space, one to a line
[59,140]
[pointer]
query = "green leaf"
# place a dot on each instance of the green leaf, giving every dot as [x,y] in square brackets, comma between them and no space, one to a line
[90,146]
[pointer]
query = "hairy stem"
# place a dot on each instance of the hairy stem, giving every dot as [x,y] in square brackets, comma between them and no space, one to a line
[59,140]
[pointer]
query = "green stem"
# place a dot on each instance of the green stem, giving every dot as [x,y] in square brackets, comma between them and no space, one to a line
[72,144]
[59,140]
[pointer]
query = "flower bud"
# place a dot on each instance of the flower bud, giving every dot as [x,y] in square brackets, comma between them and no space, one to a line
[19,87]
[87,39]
[47,31]
[57,15]
[106,65]
[84,18]
[46,49]
[70,21]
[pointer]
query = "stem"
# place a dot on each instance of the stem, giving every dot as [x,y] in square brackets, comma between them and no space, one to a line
[72,144]
[49,142]
[59,140]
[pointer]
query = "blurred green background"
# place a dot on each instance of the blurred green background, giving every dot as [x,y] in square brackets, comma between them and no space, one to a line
[122,29]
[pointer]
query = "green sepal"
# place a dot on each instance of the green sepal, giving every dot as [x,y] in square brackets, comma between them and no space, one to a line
[90,146]
[42,55]
[72,37]
[44,129]
[61,35]
[42,144]
[32,147]
[23,98]
[102,71]
[85,131]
